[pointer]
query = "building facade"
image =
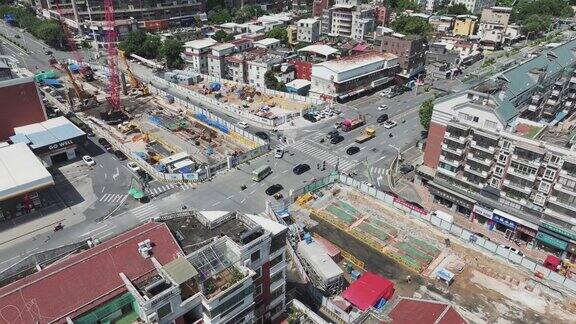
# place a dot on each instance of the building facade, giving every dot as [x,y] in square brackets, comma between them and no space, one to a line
[409,50]
[196,54]
[495,29]
[474,6]
[308,30]
[464,25]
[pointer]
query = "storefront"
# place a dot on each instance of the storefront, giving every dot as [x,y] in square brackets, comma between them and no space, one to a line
[53,141]
[482,215]
[557,240]
[513,227]
[451,199]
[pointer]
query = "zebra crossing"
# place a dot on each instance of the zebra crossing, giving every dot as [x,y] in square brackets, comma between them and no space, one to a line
[378,171]
[112,198]
[145,212]
[344,164]
[164,188]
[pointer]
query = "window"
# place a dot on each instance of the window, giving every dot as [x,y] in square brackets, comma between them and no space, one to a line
[164,311]
[539,199]
[506,145]
[258,273]
[475,119]
[549,174]
[498,171]
[554,159]
[502,158]
[276,277]
[490,124]
[494,183]
[276,260]
[255,256]
[258,290]
[544,187]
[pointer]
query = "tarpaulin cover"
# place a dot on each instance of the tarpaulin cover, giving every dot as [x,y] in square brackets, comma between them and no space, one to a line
[368,290]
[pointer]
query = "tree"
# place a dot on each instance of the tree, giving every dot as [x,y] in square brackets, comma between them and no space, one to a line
[171,51]
[536,24]
[151,46]
[411,25]
[555,8]
[222,36]
[51,33]
[279,33]
[219,16]
[248,12]
[457,9]
[425,113]
[270,80]
[131,45]
[401,5]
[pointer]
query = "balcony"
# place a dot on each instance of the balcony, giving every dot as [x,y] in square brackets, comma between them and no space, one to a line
[568,175]
[446,172]
[568,190]
[536,99]
[480,173]
[476,185]
[517,187]
[454,163]
[455,138]
[535,163]
[514,172]
[555,93]
[489,149]
[568,104]
[555,201]
[551,102]
[456,151]
[514,198]
[573,79]
[277,267]
[277,284]
[532,107]
[487,162]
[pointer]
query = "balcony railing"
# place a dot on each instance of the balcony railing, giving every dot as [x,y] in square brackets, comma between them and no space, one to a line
[551,102]
[456,151]
[446,172]
[517,187]
[568,190]
[515,198]
[514,172]
[454,163]
[489,149]
[532,107]
[456,138]
[554,200]
[567,174]
[487,162]
[477,185]
[480,173]
[555,93]
[535,163]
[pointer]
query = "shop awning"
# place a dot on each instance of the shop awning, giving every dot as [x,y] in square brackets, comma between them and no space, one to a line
[551,240]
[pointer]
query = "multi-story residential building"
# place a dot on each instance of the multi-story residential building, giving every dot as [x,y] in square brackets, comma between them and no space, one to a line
[268,5]
[474,6]
[464,25]
[292,33]
[216,60]
[342,78]
[258,66]
[410,52]
[196,54]
[381,15]
[318,7]
[146,273]
[308,30]
[236,64]
[495,29]
[441,24]
[348,19]
[86,16]
[267,43]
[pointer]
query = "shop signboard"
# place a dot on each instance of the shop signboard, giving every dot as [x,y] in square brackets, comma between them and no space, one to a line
[551,240]
[484,212]
[569,234]
[504,221]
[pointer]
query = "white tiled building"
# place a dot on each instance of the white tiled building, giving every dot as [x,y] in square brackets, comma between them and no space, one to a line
[308,30]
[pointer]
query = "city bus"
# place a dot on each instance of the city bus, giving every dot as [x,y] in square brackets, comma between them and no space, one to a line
[261,173]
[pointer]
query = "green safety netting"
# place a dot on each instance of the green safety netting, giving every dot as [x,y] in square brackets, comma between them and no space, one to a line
[341,214]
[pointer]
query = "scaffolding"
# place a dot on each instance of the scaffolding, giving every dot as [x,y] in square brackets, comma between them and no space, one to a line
[213,258]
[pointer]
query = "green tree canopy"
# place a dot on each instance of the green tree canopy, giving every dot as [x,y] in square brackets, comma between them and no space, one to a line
[50,31]
[536,24]
[219,16]
[555,8]
[456,9]
[151,46]
[142,44]
[171,51]
[411,25]
[248,12]
[272,82]
[279,33]
[401,5]
[222,36]
[425,113]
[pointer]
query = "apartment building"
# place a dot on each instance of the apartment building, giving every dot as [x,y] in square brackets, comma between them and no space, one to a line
[495,29]
[346,77]
[464,25]
[348,19]
[308,30]
[474,6]
[410,51]
[258,66]
[152,15]
[196,54]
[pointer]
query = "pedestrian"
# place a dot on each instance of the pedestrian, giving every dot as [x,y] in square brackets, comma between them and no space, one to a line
[409,279]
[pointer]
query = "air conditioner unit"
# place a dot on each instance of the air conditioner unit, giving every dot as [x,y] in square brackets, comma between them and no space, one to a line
[247,263]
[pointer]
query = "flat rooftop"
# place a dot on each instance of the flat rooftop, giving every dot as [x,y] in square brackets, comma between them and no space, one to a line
[21,171]
[356,61]
[48,132]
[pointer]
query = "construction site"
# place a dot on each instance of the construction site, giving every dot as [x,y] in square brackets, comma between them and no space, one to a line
[370,235]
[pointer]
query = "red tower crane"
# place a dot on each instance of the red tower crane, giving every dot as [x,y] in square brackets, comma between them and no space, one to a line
[111,39]
[85,70]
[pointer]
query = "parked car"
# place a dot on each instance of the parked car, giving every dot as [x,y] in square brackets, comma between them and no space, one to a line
[88,160]
[415,204]
[48,52]
[368,184]
[242,124]
[309,117]
[382,118]
[133,166]
[120,155]
[352,150]
[382,107]
[279,153]
[301,168]
[390,124]
[274,189]
[513,250]
[107,146]
[332,133]
[262,135]
[337,139]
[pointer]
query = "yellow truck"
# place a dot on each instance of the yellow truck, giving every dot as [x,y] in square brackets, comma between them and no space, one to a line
[366,135]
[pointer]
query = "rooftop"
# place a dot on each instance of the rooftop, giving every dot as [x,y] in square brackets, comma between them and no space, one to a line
[308,21]
[411,310]
[21,171]
[223,46]
[315,254]
[368,290]
[321,49]
[88,279]
[267,41]
[48,132]
[200,43]
[355,61]
[298,83]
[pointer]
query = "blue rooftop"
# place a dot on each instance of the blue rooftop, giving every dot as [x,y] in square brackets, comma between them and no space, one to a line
[46,133]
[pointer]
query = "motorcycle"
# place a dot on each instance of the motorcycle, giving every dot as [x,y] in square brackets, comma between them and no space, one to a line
[58,227]
[243,187]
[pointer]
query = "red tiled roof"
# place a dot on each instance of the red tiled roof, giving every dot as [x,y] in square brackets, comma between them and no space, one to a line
[367,290]
[409,311]
[83,281]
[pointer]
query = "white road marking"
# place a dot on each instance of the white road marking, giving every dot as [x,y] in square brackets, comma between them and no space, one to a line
[216,204]
[94,230]
[243,200]
[116,174]
[285,171]
[230,197]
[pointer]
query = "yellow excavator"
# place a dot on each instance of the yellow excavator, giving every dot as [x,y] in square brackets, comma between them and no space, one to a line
[135,84]
[87,100]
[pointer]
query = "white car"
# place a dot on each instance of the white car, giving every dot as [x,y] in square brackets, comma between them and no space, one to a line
[368,184]
[390,124]
[133,166]
[242,124]
[382,107]
[384,93]
[513,250]
[88,160]
[279,153]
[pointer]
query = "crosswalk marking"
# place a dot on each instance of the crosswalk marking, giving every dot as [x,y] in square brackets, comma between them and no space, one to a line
[112,198]
[377,171]
[164,188]
[320,154]
[145,212]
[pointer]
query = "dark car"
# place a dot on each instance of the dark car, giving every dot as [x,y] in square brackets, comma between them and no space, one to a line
[144,175]
[48,52]
[332,134]
[352,150]
[406,168]
[337,139]
[107,146]
[262,135]
[301,168]
[120,155]
[415,204]
[274,189]
[382,118]
[310,118]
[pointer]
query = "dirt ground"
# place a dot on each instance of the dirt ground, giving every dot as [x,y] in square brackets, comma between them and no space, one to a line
[487,290]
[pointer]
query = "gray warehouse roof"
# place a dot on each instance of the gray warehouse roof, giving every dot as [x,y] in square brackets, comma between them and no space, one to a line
[46,133]
[317,257]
